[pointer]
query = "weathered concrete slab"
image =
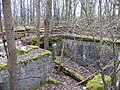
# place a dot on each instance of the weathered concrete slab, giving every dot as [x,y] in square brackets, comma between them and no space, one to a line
[34,67]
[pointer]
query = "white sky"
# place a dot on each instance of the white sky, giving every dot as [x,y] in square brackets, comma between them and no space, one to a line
[60,6]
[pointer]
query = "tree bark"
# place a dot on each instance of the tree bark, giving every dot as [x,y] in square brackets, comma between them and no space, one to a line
[2,32]
[21,12]
[101,51]
[74,8]
[47,23]
[33,11]
[62,14]
[28,12]
[66,5]
[70,9]
[119,7]
[55,10]
[38,22]
[31,16]
[12,55]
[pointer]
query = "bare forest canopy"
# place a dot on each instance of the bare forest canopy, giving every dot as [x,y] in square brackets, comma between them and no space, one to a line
[78,16]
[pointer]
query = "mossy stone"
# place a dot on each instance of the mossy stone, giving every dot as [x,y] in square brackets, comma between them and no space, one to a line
[3,66]
[21,27]
[33,40]
[21,52]
[34,47]
[97,84]
[46,53]
[31,47]
[41,55]
[93,85]
[88,38]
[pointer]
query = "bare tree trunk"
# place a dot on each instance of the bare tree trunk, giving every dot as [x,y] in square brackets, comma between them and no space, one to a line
[47,23]
[55,10]
[24,13]
[62,14]
[101,52]
[66,14]
[33,11]
[28,12]
[14,15]
[82,8]
[74,9]
[1,29]
[31,16]
[21,12]
[119,7]
[12,55]
[113,13]
[70,9]
[38,22]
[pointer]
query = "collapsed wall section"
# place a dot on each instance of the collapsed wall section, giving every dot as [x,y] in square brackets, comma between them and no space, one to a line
[32,68]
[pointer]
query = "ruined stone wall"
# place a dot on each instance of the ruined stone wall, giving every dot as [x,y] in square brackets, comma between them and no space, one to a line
[29,73]
[88,53]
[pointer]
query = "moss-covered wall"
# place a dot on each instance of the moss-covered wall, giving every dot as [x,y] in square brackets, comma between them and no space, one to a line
[22,52]
[31,69]
[72,37]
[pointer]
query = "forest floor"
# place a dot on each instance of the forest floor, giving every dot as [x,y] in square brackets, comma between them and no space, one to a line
[66,82]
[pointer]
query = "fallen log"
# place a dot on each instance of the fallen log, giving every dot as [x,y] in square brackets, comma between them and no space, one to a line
[86,80]
[68,71]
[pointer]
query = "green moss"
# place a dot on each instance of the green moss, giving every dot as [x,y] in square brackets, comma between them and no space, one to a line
[3,66]
[21,52]
[65,53]
[53,81]
[56,60]
[98,78]
[118,25]
[20,27]
[34,47]
[97,84]
[22,62]
[41,55]
[116,35]
[31,47]
[69,71]
[33,40]
[72,36]
[89,38]
[35,57]
[42,39]
[74,74]
[93,85]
